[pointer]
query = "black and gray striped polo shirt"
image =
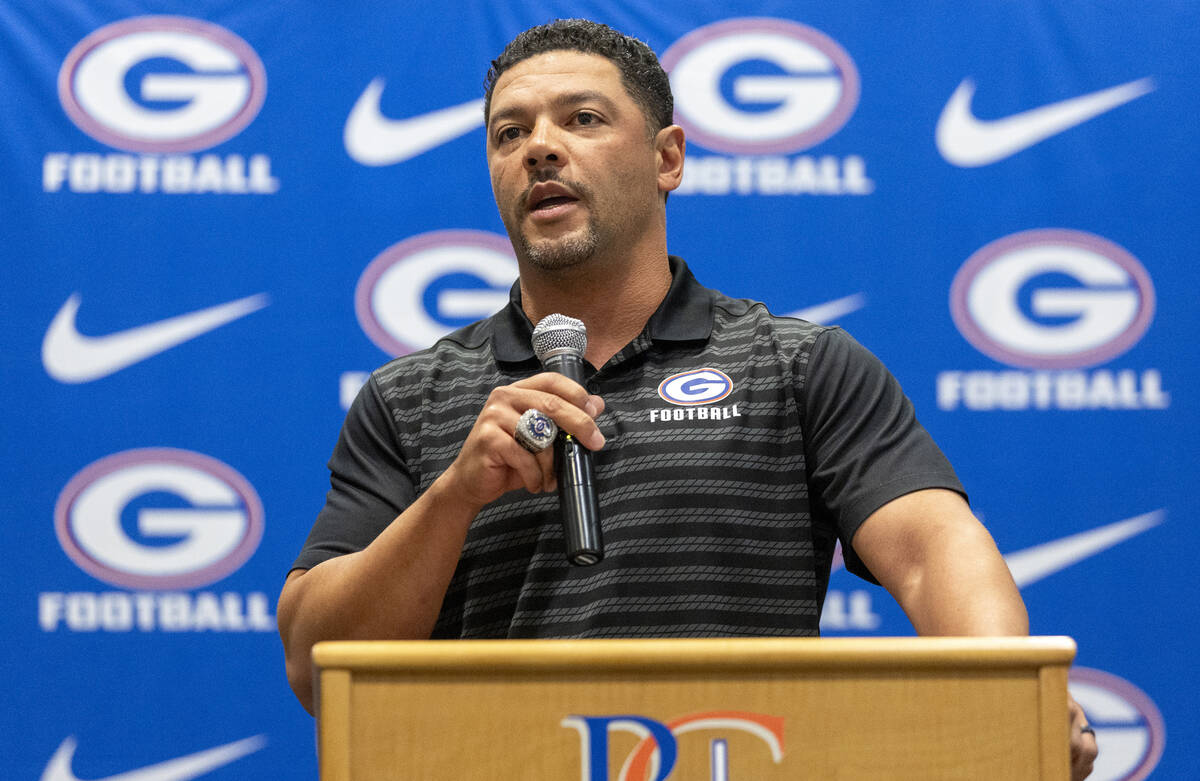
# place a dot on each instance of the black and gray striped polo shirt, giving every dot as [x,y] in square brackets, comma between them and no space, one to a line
[740,447]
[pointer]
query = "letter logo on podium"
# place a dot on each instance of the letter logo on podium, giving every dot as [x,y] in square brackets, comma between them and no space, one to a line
[657,752]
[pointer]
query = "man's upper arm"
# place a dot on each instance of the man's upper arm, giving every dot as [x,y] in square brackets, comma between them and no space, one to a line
[894,539]
[370,483]
[863,444]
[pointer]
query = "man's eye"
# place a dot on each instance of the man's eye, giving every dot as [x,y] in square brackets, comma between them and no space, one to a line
[586,118]
[508,134]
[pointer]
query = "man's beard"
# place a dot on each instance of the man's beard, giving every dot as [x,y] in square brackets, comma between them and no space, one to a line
[565,252]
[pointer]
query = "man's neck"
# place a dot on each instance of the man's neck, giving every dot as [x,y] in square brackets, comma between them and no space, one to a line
[613,298]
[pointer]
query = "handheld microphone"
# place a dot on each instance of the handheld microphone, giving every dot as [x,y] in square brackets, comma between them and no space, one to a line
[559,342]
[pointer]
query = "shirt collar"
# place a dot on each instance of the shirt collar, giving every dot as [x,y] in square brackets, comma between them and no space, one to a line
[685,315]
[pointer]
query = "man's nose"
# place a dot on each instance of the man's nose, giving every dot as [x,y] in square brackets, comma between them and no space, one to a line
[544,146]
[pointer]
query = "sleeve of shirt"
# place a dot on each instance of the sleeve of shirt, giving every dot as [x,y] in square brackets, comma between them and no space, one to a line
[864,445]
[370,483]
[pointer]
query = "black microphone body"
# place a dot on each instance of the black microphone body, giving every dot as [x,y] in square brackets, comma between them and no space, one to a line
[560,343]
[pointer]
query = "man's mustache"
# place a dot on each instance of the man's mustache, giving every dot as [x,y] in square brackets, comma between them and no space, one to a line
[549,173]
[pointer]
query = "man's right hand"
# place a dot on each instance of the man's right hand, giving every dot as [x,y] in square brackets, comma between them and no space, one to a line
[492,462]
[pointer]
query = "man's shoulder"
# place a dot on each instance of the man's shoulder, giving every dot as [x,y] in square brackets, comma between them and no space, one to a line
[749,316]
[466,351]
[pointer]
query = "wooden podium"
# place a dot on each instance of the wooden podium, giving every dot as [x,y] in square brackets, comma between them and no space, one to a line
[719,709]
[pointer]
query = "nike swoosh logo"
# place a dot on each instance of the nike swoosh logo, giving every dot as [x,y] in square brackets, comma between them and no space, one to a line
[71,357]
[969,142]
[825,313]
[180,769]
[373,139]
[1032,564]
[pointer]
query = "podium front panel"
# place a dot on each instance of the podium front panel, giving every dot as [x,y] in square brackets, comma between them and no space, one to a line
[695,709]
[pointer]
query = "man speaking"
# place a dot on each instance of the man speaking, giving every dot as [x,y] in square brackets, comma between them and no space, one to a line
[729,449]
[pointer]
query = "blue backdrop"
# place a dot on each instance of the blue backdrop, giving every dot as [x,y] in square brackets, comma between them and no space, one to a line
[219,216]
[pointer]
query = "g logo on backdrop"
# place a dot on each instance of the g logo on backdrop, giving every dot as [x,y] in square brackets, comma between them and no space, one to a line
[160,86]
[1129,728]
[209,84]
[211,535]
[1055,301]
[759,89]
[760,86]
[156,522]
[1095,300]
[422,288]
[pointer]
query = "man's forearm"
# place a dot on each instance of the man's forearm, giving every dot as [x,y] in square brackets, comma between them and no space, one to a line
[390,590]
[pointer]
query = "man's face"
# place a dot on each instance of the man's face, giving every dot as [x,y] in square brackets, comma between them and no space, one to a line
[573,167]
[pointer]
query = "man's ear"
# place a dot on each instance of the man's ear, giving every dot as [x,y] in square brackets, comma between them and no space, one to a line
[669,146]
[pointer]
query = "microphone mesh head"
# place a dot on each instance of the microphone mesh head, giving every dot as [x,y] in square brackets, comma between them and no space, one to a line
[558,332]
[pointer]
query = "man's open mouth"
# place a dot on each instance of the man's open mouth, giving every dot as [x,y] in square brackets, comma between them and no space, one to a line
[552,201]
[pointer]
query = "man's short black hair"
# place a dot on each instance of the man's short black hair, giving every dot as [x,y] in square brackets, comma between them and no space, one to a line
[642,76]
